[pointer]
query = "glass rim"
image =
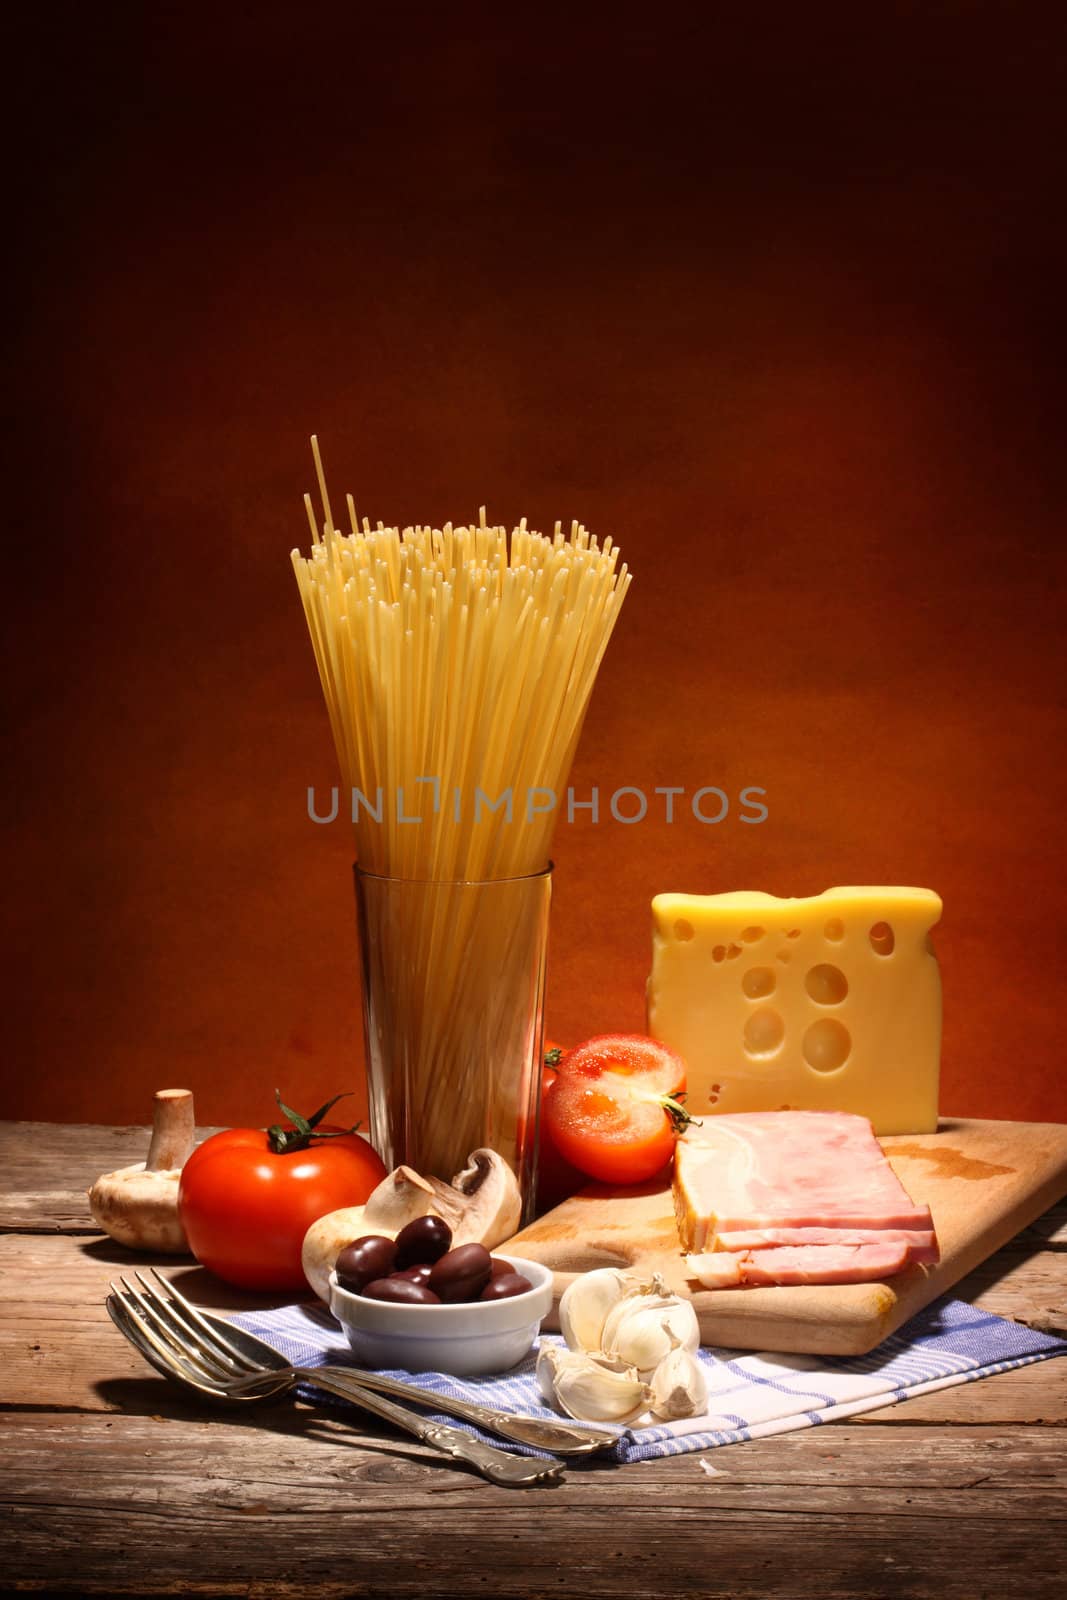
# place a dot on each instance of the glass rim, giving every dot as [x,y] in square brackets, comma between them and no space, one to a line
[451,883]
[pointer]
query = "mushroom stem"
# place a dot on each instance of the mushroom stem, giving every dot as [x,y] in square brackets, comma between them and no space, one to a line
[138,1205]
[173,1130]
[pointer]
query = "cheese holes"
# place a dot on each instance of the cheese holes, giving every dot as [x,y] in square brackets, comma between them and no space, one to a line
[835,930]
[713,1097]
[758,983]
[783,956]
[719,953]
[751,935]
[794,933]
[764,1032]
[684,931]
[733,951]
[827,985]
[883,940]
[826,1045]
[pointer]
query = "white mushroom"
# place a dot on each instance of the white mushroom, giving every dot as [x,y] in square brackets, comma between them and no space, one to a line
[482,1205]
[138,1205]
[398,1200]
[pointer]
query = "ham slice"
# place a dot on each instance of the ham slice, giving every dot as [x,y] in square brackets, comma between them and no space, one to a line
[794,1264]
[794,1197]
[922,1244]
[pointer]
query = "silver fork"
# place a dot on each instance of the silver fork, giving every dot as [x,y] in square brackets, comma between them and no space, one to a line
[245,1354]
[227,1364]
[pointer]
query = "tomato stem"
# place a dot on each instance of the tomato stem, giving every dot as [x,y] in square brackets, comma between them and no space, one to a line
[680,1117]
[286,1141]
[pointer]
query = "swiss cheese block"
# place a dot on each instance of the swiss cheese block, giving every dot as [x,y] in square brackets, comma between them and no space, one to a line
[831,1003]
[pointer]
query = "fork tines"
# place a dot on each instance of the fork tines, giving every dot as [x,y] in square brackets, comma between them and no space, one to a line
[181,1336]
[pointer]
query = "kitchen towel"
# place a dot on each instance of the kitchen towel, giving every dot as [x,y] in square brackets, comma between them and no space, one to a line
[750,1395]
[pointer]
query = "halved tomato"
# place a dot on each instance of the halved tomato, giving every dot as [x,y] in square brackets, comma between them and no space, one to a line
[614,1110]
[557,1179]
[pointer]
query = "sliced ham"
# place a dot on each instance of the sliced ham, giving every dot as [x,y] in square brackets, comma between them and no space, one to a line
[796,1264]
[794,1197]
[787,1169]
[922,1244]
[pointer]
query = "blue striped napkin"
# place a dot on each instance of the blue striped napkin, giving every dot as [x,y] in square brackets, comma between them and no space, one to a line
[750,1395]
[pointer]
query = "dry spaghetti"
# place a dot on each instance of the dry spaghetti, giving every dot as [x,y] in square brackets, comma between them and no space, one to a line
[457,666]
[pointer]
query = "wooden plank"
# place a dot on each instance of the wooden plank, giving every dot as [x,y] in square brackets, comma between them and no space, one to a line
[1050,1229]
[52,1316]
[1036,1394]
[984,1182]
[67,1353]
[140,1504]
[48,1168]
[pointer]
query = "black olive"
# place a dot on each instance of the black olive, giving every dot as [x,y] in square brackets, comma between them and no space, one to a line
[508,1284]
[402,1291]
[425,1239]
[417,1274]
[462,1274]
[360,1262]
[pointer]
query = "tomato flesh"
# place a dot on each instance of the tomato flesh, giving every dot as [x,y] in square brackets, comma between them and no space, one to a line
[605,1111]
[557,1178]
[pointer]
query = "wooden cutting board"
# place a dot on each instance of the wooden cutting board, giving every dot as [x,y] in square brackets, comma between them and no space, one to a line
[983,1181]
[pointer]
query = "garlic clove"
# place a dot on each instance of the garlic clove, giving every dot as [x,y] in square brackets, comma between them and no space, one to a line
[626,1308]
[679,1386]
[586,1303]
[682,1322]
[591,1390]
[642,1329]
[643,1340]
[549,1359]
[552,1361]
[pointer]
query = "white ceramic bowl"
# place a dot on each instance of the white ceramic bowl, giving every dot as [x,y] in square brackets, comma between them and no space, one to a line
[478,1336]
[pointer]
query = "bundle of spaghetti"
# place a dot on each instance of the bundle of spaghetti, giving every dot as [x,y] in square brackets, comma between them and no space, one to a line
[457,666]
[446,655]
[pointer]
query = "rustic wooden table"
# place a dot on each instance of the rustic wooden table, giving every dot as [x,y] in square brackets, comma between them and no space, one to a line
[115,1482]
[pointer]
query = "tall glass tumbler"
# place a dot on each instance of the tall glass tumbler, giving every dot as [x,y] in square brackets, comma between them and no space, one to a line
[453,998]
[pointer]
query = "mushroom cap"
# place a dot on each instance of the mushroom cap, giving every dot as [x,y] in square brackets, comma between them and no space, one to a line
[483,1203]
[139,1208]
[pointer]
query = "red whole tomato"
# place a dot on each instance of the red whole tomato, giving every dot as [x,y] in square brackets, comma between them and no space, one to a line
[248,1196]
[557,1179]
[614,1110]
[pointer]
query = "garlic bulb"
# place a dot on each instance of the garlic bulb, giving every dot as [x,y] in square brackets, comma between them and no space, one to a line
[679,1386]
[642,1329]
[630,1350]
[589,1388]
[586,1303]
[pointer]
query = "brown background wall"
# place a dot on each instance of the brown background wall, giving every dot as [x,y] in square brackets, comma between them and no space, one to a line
[769,298]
